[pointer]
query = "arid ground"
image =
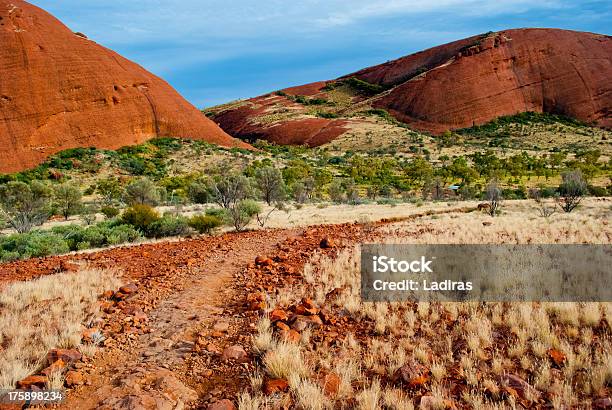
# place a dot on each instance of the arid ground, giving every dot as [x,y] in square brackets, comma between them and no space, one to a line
[273,319]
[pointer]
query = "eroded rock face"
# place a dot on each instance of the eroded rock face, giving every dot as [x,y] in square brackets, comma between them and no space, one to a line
[513,71]
[456,85]
[60,90]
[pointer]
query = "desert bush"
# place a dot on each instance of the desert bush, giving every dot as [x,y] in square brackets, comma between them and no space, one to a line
[243,212]
[573,187]
[336,191]
[88,213]
[68,199]
[110,190]
[32,244]
[96,236]
[544,209]
[199,192]
[169,225]
[493,195]
[271,184]
[597,191]
[25,206]
[143,192]
[110,211]
[140,217]
[205,224]
[231,190]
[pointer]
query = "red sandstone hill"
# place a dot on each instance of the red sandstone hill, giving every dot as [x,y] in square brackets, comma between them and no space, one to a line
[59,90]
[456,85]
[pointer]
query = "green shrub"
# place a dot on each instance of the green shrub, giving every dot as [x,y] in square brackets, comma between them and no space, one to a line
[169,225]
[243,212]
[328,115]
[205,224]
[363,86]
[140,217]
[32,245]
[597,191]
[110,211]
[219,213]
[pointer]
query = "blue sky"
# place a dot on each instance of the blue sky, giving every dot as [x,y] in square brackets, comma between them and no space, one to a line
[215,51]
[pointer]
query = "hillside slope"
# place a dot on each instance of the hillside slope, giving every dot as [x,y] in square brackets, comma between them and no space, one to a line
[461,84]
[60,90]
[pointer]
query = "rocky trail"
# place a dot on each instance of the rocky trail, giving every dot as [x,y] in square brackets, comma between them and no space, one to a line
[178,333]
[156,369]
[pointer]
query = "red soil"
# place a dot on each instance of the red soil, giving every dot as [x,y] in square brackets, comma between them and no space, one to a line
[59,90]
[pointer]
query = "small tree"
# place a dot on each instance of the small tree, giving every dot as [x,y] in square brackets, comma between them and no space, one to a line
[543,208]
[110,191]
[142,192]
[493,195]
[68,199]
[140,217]
[270,183]
[199,192]
[299,192]
[231,190]
[336,191]
[25,206]
[243,212]
[573,187]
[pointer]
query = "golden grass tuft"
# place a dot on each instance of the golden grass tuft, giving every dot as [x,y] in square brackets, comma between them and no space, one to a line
[45,313]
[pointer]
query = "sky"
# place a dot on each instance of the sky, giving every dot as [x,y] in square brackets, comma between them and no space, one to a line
[216,51]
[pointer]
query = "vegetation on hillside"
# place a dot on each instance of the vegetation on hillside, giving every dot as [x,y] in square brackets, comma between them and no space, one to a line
[124,186]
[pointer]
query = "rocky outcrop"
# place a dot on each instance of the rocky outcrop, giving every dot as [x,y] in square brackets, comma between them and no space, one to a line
[540,70]
[60,90]
[456,85]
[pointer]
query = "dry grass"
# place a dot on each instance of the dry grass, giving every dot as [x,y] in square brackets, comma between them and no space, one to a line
[46,313]
[468,349]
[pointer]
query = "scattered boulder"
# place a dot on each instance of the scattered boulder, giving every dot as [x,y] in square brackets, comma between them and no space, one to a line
[516,386]
[67,355]
[74,378]
[224,404]
[221,327]
[32,381]
[331,384]
[128,289]
[107,294]
[282,326]
[272,386]
[57,366]
[263,261]
[256,301]
[235,352]
[278,315]
[173,388]
[412,373]
[557,356]
[300,323]
[290,336]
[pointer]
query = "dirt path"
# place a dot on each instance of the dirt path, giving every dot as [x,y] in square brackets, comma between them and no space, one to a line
[156,370]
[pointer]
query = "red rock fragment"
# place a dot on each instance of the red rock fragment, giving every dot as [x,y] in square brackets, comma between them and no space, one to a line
[67,355]
[272,386]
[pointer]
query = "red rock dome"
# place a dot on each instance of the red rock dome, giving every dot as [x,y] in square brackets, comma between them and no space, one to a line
[60,90]
[456,85]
